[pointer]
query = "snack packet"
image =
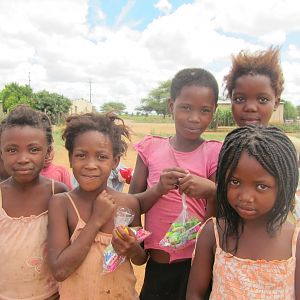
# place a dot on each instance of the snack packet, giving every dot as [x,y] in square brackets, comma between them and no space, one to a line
[182,230]
[111,260]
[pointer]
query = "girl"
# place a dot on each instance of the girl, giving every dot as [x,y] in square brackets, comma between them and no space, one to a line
[168,167]
[254,84]
[250,249]
[26,139]
[81,223]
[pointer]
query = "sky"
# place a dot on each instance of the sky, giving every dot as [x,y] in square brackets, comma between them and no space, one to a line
[124,49]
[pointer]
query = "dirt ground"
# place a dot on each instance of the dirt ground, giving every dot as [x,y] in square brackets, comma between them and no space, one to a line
[139,130]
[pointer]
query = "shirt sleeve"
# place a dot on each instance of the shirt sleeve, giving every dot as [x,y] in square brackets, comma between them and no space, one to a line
[144,148]
[213,150]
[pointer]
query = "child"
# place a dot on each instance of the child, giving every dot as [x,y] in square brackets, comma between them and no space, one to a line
[26,139]
[56,172]
[250,249]
[254,85]
[168,167]
[81,223]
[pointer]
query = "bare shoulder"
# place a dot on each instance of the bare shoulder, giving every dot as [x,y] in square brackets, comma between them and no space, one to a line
[126,200]
[60,187]
[58,202]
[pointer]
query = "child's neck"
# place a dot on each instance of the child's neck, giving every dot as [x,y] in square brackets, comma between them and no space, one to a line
[25,185]
[181,144]
[90,195]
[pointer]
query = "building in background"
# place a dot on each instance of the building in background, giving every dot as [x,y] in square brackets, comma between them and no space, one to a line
[81,106]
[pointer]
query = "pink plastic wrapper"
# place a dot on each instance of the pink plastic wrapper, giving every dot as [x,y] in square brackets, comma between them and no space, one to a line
[112,260]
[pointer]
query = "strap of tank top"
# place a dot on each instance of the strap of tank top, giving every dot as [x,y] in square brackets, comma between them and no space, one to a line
[216,232]
[52,184]
[0,197]
[73,204]
[295,238]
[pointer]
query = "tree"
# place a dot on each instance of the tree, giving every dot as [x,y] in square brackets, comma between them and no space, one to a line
[157,99]
[298,110]
[289,111]
[117,107]
[53,104]
[14,94]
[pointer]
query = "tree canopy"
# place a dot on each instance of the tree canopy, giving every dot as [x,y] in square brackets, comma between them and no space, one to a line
[53,104]
[117,107]
[156,101]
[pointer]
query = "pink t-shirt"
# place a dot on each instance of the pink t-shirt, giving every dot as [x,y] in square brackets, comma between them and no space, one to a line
[157,155]
[58,173]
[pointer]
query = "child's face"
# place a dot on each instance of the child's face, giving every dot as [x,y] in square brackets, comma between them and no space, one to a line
[193,110]
[251,190]
[92,160]
[253,100]
[23,150]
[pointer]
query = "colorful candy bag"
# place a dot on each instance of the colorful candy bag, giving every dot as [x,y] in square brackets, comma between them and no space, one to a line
[182,230]
[124,216]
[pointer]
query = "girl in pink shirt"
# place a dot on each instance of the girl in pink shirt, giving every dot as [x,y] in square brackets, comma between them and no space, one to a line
[26,138]
[250,250]
[166,168]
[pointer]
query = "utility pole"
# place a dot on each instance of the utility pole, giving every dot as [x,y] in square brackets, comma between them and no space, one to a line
[90,91]
[29,79]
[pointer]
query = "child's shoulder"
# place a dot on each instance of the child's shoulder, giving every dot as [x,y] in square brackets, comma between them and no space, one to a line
[148,139]
[212,144]
[125,200]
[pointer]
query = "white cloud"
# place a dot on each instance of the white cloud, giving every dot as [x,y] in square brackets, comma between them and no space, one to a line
[63,53]
[164,6]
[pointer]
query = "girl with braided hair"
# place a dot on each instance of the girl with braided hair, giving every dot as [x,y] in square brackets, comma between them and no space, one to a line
[250,249]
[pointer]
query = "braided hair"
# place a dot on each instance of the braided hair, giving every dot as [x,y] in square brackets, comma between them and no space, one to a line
[276,154]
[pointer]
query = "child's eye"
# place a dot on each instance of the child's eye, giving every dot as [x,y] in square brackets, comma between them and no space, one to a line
[233,182]
[238,99]
[263,100]
[34,150]
[186,107]
[79,155]
[262,187]
[205,110]
[102,157]
[11,150]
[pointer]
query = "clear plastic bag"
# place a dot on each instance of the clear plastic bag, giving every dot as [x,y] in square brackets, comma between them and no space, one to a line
[111,260]
[183,230]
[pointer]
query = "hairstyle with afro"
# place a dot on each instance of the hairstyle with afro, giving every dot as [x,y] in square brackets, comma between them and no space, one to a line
[108,124]
[264,62]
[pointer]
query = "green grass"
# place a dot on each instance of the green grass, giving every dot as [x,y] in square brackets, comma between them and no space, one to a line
[57,131]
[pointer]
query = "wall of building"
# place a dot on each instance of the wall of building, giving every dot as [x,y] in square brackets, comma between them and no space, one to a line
[81,106]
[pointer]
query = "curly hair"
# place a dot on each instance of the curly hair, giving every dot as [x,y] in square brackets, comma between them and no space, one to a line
[195,76]
[105,123]
[276,154]
[24,115]
[265,63]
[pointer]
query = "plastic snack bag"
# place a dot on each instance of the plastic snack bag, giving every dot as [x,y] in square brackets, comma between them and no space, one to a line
[124,216]
[182,230]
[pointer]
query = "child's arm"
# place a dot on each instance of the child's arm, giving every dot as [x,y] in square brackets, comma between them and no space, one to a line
[148,197]
[202,264]
[297,272]
[64,257]
[125,243]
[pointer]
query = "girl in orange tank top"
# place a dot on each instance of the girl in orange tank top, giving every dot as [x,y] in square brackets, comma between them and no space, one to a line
[81,223]
[251,251]
[26,139]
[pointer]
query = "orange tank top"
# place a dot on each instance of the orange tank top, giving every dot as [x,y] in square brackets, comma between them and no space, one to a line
[24,273]
[245,279]
[88,282]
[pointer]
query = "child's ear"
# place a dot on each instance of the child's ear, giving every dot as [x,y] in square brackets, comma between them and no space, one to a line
[49,150]
[277,102]
[171,106]
[116,162]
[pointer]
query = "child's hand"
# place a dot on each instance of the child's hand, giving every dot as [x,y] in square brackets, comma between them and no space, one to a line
[124,242]
[169,179]
[103,208]
[196,187]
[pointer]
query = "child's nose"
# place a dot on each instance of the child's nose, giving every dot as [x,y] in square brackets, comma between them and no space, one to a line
[194,116]
[250,106]
[91,163]
[22,158]
[246,197]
